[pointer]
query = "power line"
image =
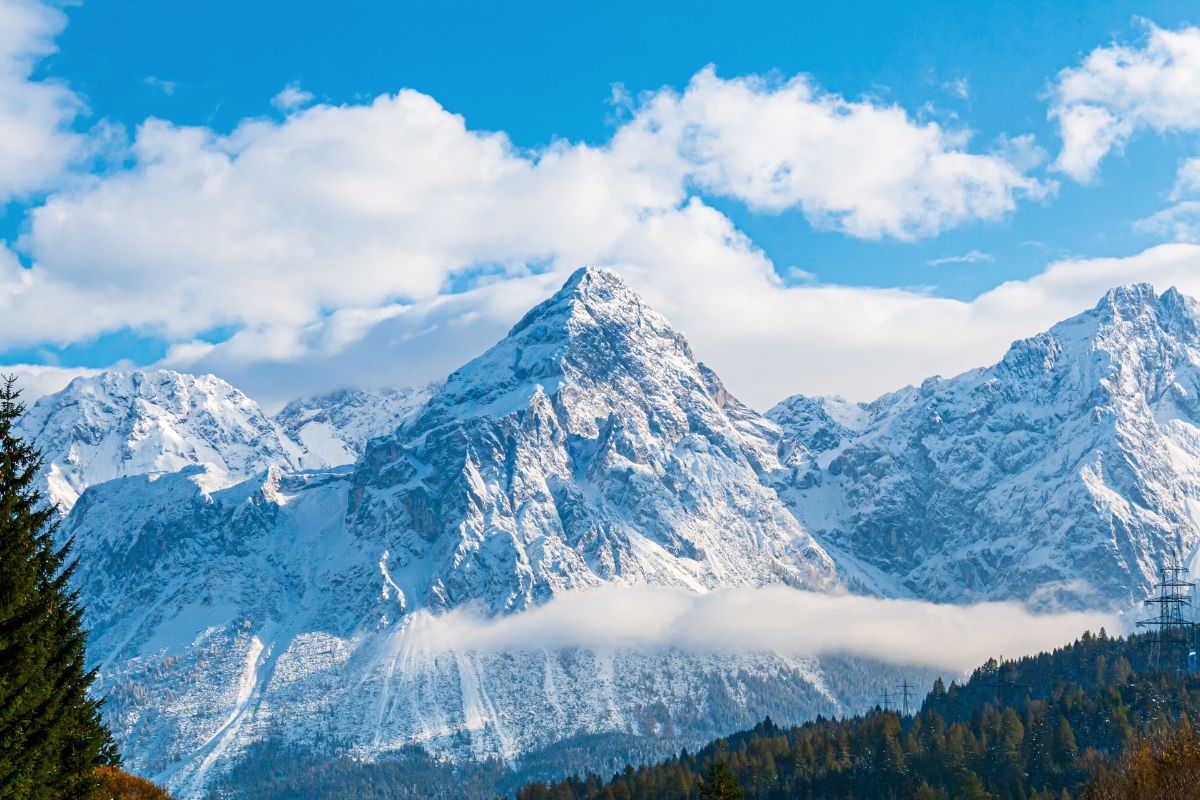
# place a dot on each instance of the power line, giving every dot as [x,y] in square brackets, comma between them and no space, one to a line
[906,694]
[1171,632]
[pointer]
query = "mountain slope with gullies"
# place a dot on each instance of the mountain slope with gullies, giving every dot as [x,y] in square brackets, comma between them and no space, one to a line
[588,448]
[1067,473]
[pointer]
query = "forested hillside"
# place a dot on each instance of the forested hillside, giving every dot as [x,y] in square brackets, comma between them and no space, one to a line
[1037,727]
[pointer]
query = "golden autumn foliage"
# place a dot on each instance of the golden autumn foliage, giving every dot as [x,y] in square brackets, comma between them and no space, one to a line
[118,785]
[1163,767]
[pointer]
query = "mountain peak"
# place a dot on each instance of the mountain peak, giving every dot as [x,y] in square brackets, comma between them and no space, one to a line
[595,330]
[1152,314]
[590,292]
[1131,296]
[586,279]
[120,423]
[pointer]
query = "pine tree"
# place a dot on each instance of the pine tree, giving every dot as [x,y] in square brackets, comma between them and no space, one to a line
[720,783]
[51,735]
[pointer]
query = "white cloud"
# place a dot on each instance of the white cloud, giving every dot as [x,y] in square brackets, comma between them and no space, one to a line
[772,619]
[860,167]
[36,380]
[36,144]
[765,339]
[959,87]
[302,233]
[387,242]
[971,257]
[1187,179]
[1177,223]
[1119,90]
[291,97]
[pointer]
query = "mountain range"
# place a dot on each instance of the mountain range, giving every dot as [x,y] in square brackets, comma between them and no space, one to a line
[251,577]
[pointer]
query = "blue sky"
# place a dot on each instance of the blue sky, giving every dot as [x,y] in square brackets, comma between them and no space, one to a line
[985,74]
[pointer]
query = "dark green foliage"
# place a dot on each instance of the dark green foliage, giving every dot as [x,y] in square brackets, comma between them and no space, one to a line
[280,772]
[720,783]
[1032,729]
[51,736]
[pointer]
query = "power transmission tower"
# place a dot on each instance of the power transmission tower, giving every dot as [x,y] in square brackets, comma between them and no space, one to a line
[886,699]
[905,694]
[1171,631]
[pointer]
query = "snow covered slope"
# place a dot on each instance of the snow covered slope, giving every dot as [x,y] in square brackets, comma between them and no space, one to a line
[148,421]
[333,429]
[1065,473]
[587,447]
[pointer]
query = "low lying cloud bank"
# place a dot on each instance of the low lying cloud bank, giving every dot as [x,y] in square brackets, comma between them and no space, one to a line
[774,619]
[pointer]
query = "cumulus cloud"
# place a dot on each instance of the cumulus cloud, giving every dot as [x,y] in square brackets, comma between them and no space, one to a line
[1187,179]
[37,144]
[352,208]
[772,619]
[860,167]
[387,242]
[1121,89]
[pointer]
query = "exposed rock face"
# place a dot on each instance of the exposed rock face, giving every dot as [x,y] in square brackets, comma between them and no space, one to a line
[1065,473]
[149,421]
[586,448]
[241,584]
[333,429]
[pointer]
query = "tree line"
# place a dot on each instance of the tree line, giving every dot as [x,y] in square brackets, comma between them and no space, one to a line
[1029,729]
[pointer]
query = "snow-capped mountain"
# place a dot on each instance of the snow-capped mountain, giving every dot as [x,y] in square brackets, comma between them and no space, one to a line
[149,421]
[1067,472]
[146,422]
[333,429]
[587,447]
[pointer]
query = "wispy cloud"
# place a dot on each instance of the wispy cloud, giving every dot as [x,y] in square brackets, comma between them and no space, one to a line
[166,87]
[958,87]
[973,257]
[771,619]
[1177,223]
[291,97]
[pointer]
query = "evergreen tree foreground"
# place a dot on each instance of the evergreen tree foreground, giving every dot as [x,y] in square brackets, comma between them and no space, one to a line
[52,739]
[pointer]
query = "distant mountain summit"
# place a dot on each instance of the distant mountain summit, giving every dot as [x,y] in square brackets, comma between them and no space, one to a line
[1066,473]
[117,424]
[152,421]
[334,428]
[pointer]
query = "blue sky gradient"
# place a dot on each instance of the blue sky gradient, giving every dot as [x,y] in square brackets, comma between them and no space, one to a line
[542,72]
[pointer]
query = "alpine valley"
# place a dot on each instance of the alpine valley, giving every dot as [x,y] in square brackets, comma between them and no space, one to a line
[250,578]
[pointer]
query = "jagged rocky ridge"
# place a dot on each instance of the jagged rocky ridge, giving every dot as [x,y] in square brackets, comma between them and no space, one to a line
[153,421]
[334,429]
[587,447]
[1067,473]
[590,447]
